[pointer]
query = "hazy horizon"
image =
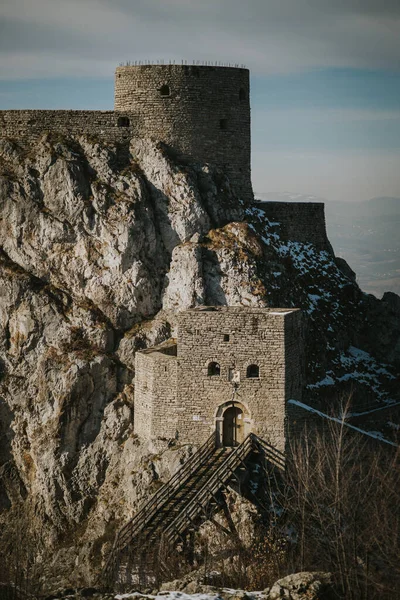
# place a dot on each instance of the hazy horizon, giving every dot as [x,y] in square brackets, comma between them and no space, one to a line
[293,196]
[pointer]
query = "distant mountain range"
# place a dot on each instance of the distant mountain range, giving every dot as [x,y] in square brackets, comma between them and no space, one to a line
[365,234]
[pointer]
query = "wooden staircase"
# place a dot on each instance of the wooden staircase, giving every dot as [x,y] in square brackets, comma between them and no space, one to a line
[179,507]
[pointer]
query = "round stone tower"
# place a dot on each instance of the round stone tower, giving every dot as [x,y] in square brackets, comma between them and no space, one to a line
[203,112]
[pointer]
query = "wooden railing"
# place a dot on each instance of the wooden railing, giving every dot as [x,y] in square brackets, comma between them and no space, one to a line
[131,529]
[272,455]
[219,477]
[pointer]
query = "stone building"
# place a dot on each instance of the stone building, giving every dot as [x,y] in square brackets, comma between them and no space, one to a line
[202,112]
[230,370]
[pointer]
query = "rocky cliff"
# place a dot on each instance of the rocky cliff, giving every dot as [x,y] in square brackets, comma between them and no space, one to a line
[101,245]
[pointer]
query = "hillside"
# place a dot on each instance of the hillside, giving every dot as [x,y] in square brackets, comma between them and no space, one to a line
[101,245]
[366,235]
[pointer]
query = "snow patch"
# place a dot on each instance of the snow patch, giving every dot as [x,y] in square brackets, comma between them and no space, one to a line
[395,426]
[168,596]
[328,380]
[182,596]
[360,367]
[374,434]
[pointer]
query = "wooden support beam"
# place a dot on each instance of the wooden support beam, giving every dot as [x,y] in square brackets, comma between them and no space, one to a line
[244,466]
[220,526]
[229,520]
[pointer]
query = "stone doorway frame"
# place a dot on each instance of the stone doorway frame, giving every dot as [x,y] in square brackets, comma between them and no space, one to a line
[219,420]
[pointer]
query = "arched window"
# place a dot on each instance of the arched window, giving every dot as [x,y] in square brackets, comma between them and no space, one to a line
[213,369]
[253,371]
[165,90]
[242,95]
[223,124]
[123,122]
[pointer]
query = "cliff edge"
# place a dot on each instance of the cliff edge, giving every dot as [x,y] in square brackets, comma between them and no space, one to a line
[100,245]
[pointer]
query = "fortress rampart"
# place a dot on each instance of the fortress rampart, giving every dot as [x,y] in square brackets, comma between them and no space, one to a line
[299,222]
[30,125]
[200,111]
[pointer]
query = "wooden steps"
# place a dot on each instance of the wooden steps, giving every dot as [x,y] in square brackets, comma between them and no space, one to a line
[183,503]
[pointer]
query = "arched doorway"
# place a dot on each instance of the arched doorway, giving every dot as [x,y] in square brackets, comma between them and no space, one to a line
[233,426]
[233,423]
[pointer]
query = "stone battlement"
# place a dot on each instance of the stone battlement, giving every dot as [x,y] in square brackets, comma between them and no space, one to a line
[202,112]
[229,358]
[299,221]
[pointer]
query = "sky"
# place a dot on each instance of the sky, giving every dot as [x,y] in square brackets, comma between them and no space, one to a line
[325,75]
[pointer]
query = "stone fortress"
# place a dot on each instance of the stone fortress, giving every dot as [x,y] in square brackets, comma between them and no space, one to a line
[231,370]
[200,111]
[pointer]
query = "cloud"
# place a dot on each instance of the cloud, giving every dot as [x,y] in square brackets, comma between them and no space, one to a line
[270,36]
[330,131]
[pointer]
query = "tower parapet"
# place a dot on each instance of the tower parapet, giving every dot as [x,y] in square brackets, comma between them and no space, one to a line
[201,111]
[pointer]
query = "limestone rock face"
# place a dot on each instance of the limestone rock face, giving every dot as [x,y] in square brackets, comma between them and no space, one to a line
[299,586]
[101,226]
[100,246]
[185,284]
[221,269]
[86,235]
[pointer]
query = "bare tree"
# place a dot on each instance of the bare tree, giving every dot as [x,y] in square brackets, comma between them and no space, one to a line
[342,497]
[20,545]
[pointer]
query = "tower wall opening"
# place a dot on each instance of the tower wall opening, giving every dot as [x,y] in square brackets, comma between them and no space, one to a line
[203,112]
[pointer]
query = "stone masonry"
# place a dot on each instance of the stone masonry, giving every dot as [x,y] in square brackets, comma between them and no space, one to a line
[30,125]
[202,112]
[302,222]
[256,354]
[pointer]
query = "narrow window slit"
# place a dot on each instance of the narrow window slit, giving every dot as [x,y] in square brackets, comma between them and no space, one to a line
[253,372]
[165,91]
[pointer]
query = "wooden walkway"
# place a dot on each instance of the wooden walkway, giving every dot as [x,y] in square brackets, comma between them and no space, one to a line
[180,506]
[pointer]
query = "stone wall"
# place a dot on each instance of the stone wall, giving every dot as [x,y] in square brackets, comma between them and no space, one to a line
[155,393]
[166,406]
[294,356]
[144,394]
[30,125]
[299,221]
[268,338]
[179,396]
[203,112]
